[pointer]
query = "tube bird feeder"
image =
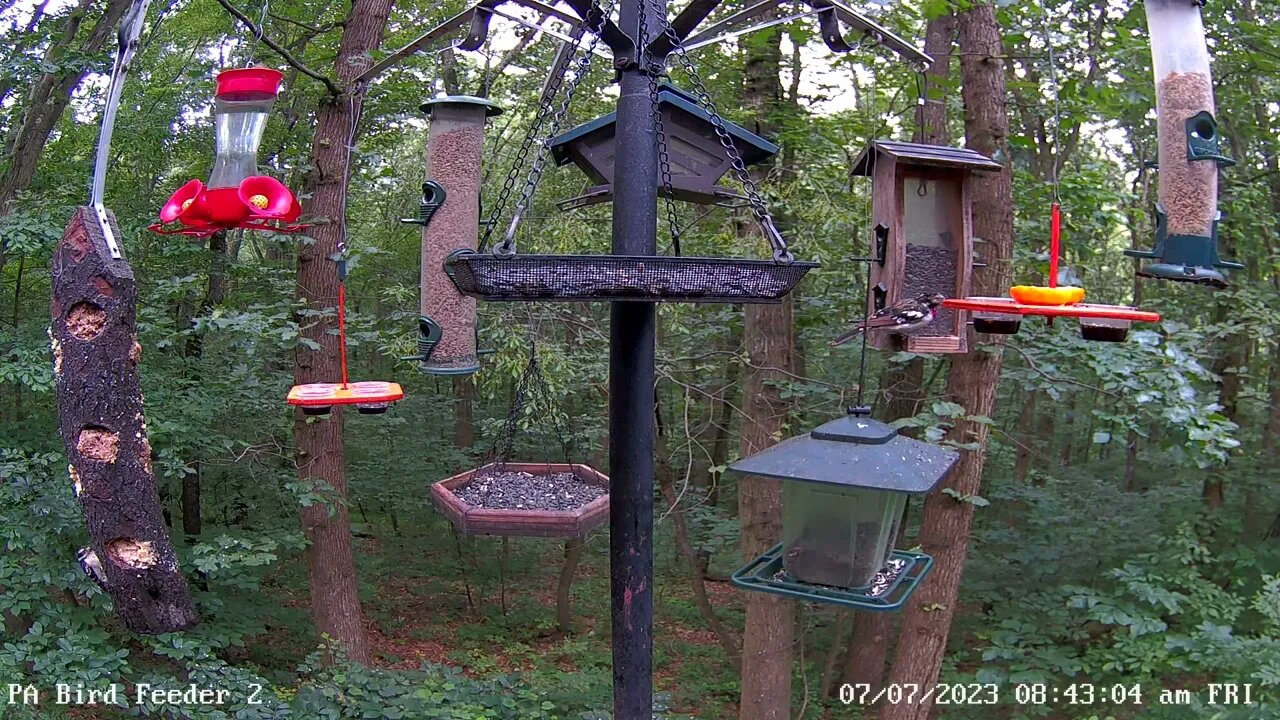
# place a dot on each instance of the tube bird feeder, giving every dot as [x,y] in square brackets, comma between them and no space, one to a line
[1189,156]
[449,214]
[845,487]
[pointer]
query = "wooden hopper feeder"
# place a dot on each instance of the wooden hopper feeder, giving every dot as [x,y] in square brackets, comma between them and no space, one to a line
[698,160]
[473,520]
[923,242]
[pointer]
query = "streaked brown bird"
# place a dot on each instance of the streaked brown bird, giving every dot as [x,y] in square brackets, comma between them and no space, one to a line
[909,314]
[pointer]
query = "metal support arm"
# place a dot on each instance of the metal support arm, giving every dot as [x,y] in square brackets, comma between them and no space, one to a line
[684,23]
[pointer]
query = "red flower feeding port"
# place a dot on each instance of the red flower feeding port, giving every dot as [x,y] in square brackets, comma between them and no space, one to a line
[1003,316]
[236,196]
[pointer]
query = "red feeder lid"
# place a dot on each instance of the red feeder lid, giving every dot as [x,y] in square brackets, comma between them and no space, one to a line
[252,83]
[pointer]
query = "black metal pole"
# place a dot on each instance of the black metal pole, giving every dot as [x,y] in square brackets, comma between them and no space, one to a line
[631,378]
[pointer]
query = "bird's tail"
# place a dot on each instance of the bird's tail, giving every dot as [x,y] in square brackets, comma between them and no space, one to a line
[848,336]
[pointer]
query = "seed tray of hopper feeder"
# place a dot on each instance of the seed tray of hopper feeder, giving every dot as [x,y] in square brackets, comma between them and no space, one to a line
[892,586]
[609,278]
[532,514]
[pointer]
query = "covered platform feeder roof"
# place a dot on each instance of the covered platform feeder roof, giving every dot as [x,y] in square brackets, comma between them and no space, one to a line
[844,494]
[923,239]
[698,160]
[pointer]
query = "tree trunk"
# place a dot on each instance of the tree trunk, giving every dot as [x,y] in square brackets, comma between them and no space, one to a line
[770,623]
[946,523]
[464,425]
[48,98]
[193,351]
[95,346]
[769,631]
[335,603]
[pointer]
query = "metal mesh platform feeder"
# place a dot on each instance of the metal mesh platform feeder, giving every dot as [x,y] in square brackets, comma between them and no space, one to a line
[473,519]
[889,590]
[611,278]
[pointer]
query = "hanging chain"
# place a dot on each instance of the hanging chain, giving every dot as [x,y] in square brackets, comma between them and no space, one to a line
[583,65]
[530,386]
[544,111]
[654,71]
[758,207]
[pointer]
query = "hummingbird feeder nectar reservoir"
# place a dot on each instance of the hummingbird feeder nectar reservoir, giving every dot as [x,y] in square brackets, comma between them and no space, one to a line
[236,195]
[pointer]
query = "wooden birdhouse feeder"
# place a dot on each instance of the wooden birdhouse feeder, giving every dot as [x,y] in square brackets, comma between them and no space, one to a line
[698,160]
[922,238]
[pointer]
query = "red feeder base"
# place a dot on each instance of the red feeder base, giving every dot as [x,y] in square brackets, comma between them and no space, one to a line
[1106,323]
[372,396]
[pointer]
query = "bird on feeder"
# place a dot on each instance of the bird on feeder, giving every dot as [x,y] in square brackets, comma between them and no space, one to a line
[92,566]
[909,314]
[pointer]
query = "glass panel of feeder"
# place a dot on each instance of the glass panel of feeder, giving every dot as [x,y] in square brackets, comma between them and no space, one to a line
[837,536]
[933,220]
[1184,87]
[238,127]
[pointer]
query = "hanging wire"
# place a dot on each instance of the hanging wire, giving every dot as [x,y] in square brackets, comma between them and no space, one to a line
[1055,91]
[860,408]
[257,35]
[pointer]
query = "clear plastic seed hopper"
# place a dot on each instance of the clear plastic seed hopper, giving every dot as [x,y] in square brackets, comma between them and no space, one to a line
[1189,157]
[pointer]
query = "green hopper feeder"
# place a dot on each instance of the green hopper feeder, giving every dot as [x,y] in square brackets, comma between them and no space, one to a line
[845,489]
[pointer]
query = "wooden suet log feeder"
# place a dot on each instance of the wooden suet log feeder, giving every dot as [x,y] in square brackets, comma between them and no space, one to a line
[94,338]
[922,235]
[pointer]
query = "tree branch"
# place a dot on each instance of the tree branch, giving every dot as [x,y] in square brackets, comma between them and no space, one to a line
[333,88]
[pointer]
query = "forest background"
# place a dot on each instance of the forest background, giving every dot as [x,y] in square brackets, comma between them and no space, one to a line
[1126,529]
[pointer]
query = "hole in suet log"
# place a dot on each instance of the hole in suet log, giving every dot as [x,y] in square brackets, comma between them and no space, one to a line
[86,320]
[98,443]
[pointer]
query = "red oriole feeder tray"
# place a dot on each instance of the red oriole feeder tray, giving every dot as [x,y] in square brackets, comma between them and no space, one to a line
[370,397]
[236,196]
[1003,316]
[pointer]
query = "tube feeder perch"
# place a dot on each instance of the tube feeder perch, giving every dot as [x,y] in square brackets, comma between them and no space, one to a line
[698,160]
[1187,216]
[449,214]
[845,487]
[236,196]
[923,239]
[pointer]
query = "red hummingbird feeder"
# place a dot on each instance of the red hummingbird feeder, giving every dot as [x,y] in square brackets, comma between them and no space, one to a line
[236,196]
[1003,316]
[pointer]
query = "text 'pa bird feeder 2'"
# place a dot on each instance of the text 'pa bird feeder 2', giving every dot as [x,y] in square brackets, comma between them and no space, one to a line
[236,195]
[449,214]
[922,241]
[1187,215]
[697,157]
[845,487]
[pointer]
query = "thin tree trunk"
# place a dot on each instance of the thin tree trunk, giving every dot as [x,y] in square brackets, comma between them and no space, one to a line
[464,425]
[193,351]
[946,522]
[48,98]
[687,555]
[335,602]
[769,632]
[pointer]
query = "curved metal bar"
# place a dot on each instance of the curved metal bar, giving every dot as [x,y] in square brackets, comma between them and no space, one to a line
[130,31]
[479,31]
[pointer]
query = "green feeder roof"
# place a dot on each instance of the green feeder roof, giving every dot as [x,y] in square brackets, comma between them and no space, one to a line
[854,451]
[752,147]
